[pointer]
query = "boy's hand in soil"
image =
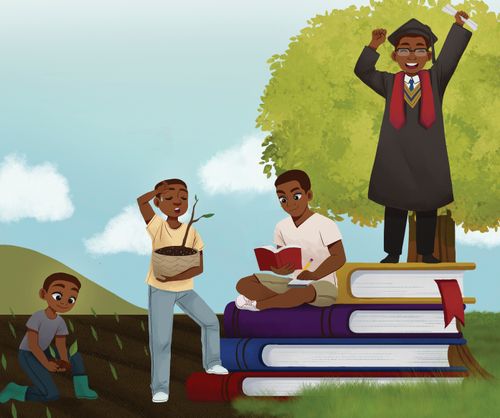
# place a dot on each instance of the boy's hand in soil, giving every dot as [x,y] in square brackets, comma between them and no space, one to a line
[52,366]
[283,271]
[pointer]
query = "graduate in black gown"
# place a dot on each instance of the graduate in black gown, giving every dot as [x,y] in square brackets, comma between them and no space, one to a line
[411,169]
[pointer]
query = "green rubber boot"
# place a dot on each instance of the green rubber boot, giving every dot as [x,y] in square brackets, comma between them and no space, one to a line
[14,392]
[82,390]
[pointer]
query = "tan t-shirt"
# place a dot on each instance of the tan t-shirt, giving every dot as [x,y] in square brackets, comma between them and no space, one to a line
[313,237]
[164,236]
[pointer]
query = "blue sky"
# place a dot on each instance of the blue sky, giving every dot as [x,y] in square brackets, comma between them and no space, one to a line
[100,100]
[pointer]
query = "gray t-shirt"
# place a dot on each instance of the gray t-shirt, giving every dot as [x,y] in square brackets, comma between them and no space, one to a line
[47,329]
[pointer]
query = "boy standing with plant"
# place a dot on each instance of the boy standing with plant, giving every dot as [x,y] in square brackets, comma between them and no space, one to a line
[171,197]
[60,291]
[320,242]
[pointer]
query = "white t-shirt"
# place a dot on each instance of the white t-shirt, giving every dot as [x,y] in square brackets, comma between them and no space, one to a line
[313,236]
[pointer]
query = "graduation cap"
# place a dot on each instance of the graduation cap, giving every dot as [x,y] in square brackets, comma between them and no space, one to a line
[414,27]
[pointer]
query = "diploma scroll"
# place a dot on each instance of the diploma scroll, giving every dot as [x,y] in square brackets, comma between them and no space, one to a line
[451,11]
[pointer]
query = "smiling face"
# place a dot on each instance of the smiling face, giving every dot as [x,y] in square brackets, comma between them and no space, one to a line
[293,198]
[411,54]
[173,200]
[60,296]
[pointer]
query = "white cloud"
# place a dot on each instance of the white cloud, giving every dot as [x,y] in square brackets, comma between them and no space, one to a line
[126,232]
[488,239]
[38,192]
[236,169]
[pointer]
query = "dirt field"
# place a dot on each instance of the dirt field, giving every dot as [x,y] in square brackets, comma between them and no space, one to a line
[127,396]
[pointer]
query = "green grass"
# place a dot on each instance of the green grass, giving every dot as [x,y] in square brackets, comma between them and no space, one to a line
[473,398]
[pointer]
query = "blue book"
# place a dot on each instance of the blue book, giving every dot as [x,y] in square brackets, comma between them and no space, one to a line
[329,354]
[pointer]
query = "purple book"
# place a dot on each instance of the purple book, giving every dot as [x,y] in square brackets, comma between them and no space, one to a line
[344,321]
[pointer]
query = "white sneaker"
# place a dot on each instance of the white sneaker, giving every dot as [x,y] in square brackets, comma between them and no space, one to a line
[217,369]
[242,302]
[160,397]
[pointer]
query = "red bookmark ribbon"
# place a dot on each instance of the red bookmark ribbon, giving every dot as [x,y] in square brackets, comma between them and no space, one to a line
[451,295]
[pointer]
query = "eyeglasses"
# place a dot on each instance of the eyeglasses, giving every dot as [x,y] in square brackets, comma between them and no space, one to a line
[404,52]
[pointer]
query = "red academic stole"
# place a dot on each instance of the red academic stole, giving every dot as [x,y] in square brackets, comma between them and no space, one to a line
[427,115]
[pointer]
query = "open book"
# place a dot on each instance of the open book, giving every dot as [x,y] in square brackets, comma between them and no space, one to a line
[269,256]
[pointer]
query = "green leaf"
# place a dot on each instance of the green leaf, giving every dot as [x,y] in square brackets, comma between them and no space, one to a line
[52,351]
[4,362]
[142,326]
[12,330]
[146,351]
[73,349]
[117,318]
[71,326]
[113,371]
[13,410]
[208,215]
[12,312]
[93,312]
[119,342]
[47,412]
[94,333]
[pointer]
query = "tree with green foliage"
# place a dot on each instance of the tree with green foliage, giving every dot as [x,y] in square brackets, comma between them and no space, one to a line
[321,118]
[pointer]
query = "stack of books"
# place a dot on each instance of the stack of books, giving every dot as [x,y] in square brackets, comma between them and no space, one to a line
[387,326]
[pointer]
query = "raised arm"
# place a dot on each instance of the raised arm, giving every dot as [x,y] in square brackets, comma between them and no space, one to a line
[365,66]
[147,211]
[453,48]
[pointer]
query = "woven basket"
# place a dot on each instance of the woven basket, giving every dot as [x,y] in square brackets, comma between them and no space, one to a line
[170,265]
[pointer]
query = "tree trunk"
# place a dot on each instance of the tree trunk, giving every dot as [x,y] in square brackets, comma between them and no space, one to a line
[444,241]
[444,250]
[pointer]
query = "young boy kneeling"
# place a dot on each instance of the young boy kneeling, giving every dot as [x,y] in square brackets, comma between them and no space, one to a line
[320,241]
[60,291]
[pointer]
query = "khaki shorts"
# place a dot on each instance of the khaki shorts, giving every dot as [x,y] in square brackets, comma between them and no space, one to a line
[326,292]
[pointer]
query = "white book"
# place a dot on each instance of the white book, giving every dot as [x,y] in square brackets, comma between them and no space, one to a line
[400,322]
[401,283]
[318,356]
[290,386]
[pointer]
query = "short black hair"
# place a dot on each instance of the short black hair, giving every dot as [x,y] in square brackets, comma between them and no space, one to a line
[297,175]
[65,277]
[171,181]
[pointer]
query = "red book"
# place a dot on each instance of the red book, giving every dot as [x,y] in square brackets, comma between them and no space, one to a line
[203,387]
[269,256]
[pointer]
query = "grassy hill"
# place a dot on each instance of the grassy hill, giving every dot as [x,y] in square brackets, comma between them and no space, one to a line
[22,273]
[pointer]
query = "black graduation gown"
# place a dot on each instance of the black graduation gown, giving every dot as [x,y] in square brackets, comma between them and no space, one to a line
[411,169]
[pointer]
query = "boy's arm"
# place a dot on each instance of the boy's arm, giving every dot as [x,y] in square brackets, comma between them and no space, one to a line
[147,211]
[365,66]
[188,274]
[38,353]
[61,347]
[453,48]
[333,263]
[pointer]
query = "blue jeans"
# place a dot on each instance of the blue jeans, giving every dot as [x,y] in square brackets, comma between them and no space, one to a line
[44,388]
[161,314]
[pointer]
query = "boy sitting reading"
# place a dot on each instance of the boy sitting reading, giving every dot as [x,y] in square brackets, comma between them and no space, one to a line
[60,291]
[171,197]
[320,241]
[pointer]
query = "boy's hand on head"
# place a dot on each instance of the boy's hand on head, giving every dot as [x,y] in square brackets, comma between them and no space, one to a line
[284,270]
[458,17]
[378,38]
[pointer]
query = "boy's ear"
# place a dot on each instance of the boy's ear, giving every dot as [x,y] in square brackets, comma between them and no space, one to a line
[309,195]
[429,56]
[156,201]
[393,55]
[42,293]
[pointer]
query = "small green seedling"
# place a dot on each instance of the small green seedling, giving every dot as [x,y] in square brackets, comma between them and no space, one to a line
[113,371]
[73,349]
[94,333]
